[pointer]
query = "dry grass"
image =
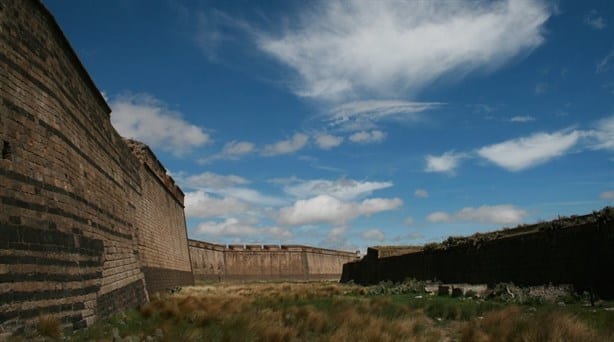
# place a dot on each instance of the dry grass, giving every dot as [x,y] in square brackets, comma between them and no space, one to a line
[334,312]
[49,327]
[514,324]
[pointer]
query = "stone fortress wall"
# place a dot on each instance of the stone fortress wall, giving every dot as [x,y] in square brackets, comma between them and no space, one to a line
[576,250]
[79,238]
[266,262]
[90,222]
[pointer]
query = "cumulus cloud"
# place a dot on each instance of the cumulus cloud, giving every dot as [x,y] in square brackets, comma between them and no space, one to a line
[145,118]
[594,20]
[328,209]
[522,153]
[297,142]
[365,137]
[343,48]
[201,204]
[607,195]
[233,227]
[373,235]
[445,163]
[343,189]
[328,141]
[408,221]
[495,214]
[522,119]
[362,115]
[421,193]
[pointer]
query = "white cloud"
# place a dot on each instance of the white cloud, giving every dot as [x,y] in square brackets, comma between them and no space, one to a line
[438,216]
[340,49]
[343,189]
[495,214]
[365,137]
[522,153]
[201,204]
[328,209]
[421,193]
[147,119]
[604,134]
[251,196]
[525,118]
[408,221]
[297,142]
[606,63]
[361,115]
[445,163]
[594,20]
[232,227]
[373,235]
[607,195]
[328,141]
[210,180]
[233,150]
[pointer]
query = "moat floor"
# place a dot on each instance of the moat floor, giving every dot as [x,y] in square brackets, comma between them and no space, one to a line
[328,311]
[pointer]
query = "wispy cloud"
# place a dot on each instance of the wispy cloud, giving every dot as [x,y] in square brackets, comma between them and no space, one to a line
[362,115]
[421,193]
[594,20]
[145,118]
[210,180]
[297,142]
[233,227]
[233,150]
[344,189]
[445,163]
[365,137]
[522,119]
[607,195]
[606,63]
[603,134]
[341,49]
[523,153]
[328,209]
[491,214]
[373,235]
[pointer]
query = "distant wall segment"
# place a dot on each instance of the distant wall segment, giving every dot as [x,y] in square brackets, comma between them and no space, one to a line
[581,254]
[266,262]
[85,226]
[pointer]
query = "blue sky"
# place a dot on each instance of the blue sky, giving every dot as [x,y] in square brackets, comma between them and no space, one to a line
[347,124]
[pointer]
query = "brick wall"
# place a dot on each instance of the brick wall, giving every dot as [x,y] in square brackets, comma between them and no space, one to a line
[161,230]
[579,253]
[266,262]
[72,215]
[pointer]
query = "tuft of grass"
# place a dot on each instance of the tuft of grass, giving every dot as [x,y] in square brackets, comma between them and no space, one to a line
[49,326]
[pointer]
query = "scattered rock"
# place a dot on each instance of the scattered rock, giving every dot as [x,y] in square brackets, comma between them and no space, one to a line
[443,290]
[457,292]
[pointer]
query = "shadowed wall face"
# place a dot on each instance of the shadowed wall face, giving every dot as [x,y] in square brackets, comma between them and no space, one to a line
[268,262]
[71,191]
[581,255]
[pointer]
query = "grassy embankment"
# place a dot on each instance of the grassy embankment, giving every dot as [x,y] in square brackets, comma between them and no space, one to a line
[335,312]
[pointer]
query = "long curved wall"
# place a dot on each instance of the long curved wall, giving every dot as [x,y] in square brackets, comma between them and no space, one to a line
[266,262]
[74,199]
